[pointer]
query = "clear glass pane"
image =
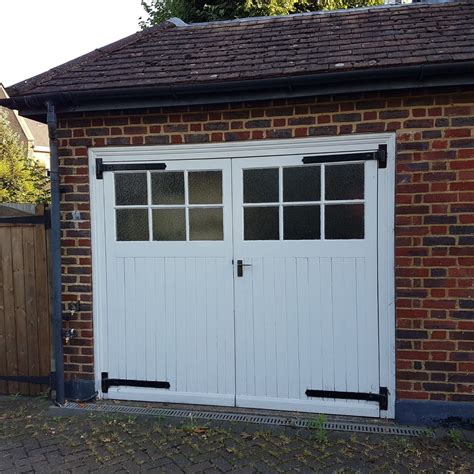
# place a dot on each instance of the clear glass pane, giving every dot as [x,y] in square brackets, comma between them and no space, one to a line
[167,187]
[205,187]
[301,222]
[132,224]
[261,223]
[130,189]
[206,224]
[169,224]
[344,221]
[344,181]
[261,185]
[302,183]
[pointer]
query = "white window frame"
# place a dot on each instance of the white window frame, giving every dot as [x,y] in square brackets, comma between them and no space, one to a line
[262,148]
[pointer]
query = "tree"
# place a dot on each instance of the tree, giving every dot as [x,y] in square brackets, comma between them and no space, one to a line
[192,11]
[22,179]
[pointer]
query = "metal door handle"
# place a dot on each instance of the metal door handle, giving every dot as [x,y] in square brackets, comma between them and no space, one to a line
[240,267]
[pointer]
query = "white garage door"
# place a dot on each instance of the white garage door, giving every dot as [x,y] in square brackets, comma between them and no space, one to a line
[245,281]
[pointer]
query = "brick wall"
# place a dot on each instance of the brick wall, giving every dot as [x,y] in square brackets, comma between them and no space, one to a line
[434,210]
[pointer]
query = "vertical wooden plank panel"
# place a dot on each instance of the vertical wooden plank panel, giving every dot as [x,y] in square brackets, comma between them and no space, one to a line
[293,342]
[249,348]
[42,301]
[180,295]
[306,338]
[212,340]
[141,275]
[341,308]
[151,317]
[282,346]
[160,322]
[259,327]
[326,312]
[20,309]
[222,343]
[31,312]
[313,327]
[3,334]
[201,314]
[9,303]
[171,323]
[130,331]
[350,326]
[190,324]
[269,334]
[227,310]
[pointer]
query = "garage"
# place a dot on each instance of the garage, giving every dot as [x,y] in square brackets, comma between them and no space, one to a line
[245,275]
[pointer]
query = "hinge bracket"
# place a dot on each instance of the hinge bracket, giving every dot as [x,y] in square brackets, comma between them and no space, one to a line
[106,383]
[381,398]
[101,167]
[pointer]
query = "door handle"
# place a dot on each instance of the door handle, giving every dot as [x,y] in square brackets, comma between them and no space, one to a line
[240,267]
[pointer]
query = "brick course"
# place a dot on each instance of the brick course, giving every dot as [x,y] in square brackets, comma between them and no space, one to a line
[434,210]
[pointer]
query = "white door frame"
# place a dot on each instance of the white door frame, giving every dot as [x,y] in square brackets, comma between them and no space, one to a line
[261,148]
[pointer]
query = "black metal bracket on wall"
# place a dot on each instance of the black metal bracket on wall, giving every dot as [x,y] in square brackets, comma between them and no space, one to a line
[381,398]
[380,155]
[106,383]
[101,167]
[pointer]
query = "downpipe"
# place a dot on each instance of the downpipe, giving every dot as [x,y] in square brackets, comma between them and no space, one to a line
[56,255]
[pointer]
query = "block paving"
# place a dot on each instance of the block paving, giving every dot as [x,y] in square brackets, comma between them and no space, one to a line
[33,439]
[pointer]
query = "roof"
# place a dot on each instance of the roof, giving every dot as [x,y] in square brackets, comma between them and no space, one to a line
[29,130]
[181,55]
[39,131]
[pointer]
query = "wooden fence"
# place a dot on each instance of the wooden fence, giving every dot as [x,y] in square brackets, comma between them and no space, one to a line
[25,345]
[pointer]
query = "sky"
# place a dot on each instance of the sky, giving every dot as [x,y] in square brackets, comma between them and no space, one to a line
[37,35]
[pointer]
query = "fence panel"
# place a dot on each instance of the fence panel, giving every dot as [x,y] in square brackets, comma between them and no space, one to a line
[25,345]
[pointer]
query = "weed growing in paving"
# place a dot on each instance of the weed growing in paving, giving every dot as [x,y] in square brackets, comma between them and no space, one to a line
[318,431]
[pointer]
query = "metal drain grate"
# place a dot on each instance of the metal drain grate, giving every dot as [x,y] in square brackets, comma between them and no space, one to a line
[245,418]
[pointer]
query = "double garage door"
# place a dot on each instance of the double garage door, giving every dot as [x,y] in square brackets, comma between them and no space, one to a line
[247,282]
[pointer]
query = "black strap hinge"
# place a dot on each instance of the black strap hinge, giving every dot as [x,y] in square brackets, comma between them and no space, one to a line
[380,155]
[381,397]
[106,383]
[101,167]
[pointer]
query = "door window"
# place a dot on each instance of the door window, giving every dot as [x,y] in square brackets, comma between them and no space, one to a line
[309,202]
[169,206]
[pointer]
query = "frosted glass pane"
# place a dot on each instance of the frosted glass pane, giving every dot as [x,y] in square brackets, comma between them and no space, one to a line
[169,224]
[302,183]
[301,222]
[261,223]
[261,185]
[206,224]
[167,188]
[205,187]
[344,182]
[344,221]
[130,189]
[132,224]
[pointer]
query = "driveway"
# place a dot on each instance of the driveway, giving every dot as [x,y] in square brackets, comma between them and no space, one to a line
[33,439]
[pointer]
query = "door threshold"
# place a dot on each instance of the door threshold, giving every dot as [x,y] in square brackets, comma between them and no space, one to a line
[240,415]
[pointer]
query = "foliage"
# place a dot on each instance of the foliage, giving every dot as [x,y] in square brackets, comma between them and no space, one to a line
[318,430]
[192,11]
[22,179]
[455,438]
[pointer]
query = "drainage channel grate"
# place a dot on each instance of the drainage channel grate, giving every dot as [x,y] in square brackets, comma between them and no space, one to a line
[246,418]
